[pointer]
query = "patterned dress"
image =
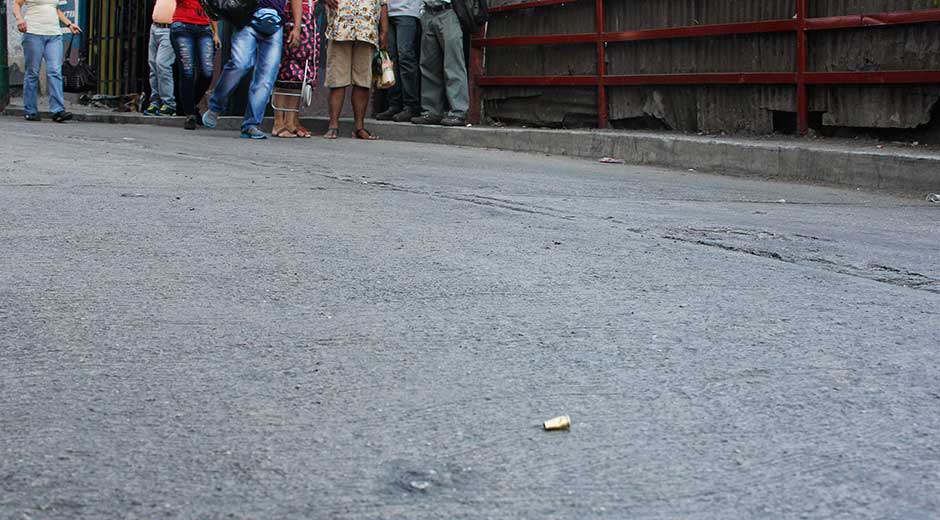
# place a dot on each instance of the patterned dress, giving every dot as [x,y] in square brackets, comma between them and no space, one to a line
[355,20]
[293,60]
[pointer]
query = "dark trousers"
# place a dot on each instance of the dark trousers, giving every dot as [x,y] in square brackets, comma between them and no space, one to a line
[195,54]
[404,40]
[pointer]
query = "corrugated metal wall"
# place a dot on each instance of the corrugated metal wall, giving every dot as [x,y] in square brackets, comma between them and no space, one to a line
[758,109]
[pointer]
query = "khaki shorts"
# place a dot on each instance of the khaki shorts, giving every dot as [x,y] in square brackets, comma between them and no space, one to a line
[349,63]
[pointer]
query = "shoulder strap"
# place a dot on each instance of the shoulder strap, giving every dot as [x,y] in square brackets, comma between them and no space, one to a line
[69,48]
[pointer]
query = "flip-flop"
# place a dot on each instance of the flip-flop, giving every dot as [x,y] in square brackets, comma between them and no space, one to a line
[284,134]
[358,134]
[331,133]
[302,132]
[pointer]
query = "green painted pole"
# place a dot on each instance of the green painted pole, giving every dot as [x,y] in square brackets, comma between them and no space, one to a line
[4,68]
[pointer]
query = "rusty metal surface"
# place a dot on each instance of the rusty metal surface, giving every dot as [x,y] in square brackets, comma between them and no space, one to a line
[717,108]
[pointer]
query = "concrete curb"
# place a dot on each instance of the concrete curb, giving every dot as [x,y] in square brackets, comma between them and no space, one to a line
[893,169]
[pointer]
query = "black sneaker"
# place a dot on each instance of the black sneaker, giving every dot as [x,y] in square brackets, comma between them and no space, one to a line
[454,121]
[388,115]
[426,119]
[61,117]
[32,117]
[190,123]
[405,115]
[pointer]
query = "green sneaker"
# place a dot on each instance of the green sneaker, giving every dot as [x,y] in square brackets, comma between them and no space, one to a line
[152,110]
[253,132]
[166,111]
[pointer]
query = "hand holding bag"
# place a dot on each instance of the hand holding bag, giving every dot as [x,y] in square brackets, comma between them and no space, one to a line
[80,77]
[383,70]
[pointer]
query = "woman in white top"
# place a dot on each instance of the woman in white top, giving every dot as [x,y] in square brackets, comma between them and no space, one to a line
[38,20]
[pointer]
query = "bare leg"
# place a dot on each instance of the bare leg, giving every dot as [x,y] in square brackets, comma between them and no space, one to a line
[280,118]
[292,119]
[360,101]
[337,96]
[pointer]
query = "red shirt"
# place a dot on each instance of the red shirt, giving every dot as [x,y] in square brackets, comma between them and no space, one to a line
[189,11]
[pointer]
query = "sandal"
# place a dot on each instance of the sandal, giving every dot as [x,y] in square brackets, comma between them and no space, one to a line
[283,133]
[302,132]
[362,133]
[331,133]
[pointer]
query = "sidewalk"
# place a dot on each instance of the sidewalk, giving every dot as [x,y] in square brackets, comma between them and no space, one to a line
[911,170]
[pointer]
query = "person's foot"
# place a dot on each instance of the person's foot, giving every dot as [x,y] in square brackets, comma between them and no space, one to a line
[454,121]
[302,132]
[62,116]
[365,135]
[426,119]
[152,110]
[210,119]
[284,133]
[331,133]
[405,115]
[32,117]
[190,123]
[252,132]
[165,111]
[388,115]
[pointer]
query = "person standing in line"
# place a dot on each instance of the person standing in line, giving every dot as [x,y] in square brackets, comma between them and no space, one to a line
[42,40]
[443,67]
[354,30]
[404,37]
[195,38]
[161,57]
[297,62]
[257,45]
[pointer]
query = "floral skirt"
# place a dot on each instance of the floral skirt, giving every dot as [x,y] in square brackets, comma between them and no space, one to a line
[294,59]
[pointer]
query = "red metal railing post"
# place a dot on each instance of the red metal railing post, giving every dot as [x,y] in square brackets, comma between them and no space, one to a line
[476,71]
[802,101]
[602,115]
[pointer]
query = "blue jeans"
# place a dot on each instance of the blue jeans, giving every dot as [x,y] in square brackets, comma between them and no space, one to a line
[160,56]
[36,48]
[196,54]
[250,49]
[404,38]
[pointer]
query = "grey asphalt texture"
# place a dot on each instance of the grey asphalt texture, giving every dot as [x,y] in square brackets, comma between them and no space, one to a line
[197,326]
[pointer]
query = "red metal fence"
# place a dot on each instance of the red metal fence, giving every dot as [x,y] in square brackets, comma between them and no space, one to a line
[800,78]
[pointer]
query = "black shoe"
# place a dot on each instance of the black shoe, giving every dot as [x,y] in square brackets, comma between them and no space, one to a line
[32,117]
[190,123]
[454,121]
[388,115]
[405,115]
[61,117]
[426,119]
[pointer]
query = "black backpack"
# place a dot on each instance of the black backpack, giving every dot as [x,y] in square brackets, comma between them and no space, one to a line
[473,14]
[238,12]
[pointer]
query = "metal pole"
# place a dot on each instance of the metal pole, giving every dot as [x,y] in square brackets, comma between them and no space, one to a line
[802,98]
[602,116]
[476,70]
[4,68]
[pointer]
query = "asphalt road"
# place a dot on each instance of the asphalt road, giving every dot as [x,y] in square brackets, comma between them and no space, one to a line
[196,326]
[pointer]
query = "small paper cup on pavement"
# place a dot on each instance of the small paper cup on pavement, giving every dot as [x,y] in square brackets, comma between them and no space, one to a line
[562,422]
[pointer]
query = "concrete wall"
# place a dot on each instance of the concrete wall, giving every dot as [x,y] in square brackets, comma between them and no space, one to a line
[14,47]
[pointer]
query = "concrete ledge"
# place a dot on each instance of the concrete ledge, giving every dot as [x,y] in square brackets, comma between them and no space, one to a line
[892,168]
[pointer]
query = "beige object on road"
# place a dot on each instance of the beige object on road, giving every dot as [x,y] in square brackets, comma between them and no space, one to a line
[562,422]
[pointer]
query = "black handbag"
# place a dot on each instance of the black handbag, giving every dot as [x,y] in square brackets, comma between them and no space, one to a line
[237,12]
[80,77]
